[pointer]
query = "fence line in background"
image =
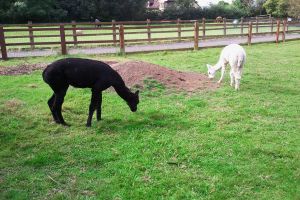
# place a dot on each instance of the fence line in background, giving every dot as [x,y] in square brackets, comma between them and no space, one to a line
[249,33]
[196,36]
[3,44]
[75,30]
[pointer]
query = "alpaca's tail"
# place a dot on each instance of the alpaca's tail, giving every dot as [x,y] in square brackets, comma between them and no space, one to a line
[240,62]
[44,74]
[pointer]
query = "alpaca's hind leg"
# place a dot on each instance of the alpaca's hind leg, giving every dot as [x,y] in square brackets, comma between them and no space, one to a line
[231,78]
[238,76]
[60,95]
[59,102]
[99,107]
[93,106]
[51,106]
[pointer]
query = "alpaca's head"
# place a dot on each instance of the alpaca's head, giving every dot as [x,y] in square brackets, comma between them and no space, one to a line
[133,101]
[211,72]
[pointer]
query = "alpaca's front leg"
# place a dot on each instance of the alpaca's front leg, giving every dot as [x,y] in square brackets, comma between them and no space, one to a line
[222,74]
[231,78]
[99,107]
[237,84]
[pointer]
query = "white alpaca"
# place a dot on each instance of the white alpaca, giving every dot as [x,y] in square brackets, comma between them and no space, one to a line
[79,32]
[235,55]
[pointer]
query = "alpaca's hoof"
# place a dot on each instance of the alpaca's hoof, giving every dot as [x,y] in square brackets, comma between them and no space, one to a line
[65,124]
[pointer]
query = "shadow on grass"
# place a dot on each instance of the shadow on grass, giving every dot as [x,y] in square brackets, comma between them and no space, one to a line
[142,121]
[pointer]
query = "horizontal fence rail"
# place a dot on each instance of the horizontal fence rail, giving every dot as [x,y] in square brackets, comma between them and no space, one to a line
[87,34]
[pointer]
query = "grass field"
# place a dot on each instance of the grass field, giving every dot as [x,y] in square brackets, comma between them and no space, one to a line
[208,145]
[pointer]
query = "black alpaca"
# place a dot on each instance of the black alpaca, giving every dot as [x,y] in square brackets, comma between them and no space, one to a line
[84,73]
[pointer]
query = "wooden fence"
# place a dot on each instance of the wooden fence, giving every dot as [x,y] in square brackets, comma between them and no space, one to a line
[70,35]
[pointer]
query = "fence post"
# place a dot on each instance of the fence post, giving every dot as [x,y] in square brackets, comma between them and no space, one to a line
[114,32]
[122,39]
[283,30]
[272,25]
[31,38]
[3,44]
[149,30]
[250,33]
[224,22]
[63,40]
[256,24]
[179,29]
[196,35]
[242,25]
[203,28]
[74,33]
[277,31]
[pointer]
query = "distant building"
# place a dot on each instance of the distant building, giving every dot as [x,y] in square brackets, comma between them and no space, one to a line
[163,4]
[159,4]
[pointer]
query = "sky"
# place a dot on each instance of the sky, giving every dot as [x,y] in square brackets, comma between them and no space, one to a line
[203,3]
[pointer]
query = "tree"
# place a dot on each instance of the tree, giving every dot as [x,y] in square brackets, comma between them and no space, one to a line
[187,4]
[224,9]
[119,10]
[294,8]
[184,9]
[259,7]
[277,8]
[244,6]
[15,11]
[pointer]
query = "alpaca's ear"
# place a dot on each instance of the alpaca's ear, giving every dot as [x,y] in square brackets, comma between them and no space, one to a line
[208,66]
[137,92]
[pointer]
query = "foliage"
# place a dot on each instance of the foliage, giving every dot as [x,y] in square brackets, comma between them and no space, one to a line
[66,10]
[119,10]
[224,9]
[259,8]
[19,11]
[26,10]
[186,10]
[294,8]
[277,8]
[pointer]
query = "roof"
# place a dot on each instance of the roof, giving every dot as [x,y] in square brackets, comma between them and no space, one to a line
[153,4]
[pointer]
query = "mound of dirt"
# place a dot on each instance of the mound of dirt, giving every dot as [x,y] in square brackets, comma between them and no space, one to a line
[135,72]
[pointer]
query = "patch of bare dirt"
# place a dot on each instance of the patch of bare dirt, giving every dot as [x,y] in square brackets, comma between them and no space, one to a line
[21,69]
[135,72]
[29,68]
[13,104]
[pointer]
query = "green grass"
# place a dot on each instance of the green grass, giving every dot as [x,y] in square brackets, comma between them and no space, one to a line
[209,145]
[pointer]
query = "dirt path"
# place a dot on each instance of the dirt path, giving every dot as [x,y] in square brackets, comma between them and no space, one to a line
[155,47]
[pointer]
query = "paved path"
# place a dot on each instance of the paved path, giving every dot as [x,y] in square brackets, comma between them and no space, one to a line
[154,47]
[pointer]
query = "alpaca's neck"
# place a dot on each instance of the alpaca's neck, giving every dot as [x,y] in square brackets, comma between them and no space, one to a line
[123,91]
[218,66]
